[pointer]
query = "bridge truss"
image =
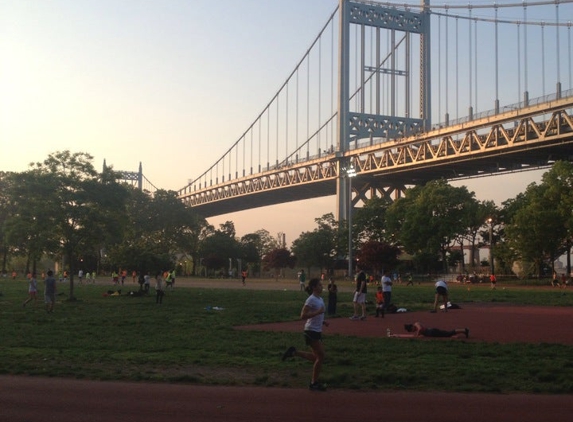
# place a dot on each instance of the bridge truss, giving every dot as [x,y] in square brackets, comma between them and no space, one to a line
[516,140]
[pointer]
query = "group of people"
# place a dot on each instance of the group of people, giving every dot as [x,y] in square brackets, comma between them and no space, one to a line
[49,290]
[162,281]
[383,295]
[313,311]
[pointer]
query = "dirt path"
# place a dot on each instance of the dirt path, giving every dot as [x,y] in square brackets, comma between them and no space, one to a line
[28,399]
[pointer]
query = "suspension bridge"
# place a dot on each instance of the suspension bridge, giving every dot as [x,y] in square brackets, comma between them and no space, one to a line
[398,95]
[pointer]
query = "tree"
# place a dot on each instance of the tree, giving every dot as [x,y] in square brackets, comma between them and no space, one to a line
[378,256]
[6,210]
[278,259]
[559,193]
[429,218]
[28,228]
[80,213]
[536,230]
[219,246]
[316,248]
[369,222]
[319,247]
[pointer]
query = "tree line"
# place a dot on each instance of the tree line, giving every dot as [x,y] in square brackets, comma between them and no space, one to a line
[64,210]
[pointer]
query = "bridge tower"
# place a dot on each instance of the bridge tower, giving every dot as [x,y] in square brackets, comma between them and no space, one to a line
[133,177]
[353,122]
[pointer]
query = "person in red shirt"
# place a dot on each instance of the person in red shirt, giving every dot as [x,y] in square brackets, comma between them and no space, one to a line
[379,302]
[492,280]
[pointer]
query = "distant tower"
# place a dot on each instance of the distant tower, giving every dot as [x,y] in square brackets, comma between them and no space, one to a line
[130,176]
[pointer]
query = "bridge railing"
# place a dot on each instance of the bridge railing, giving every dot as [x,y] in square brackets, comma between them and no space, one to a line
[515,106]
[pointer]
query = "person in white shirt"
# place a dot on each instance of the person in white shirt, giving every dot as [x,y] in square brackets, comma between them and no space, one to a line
[386,290]
[313,311]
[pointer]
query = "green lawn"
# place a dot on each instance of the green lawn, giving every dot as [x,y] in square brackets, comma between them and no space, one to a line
[131,338]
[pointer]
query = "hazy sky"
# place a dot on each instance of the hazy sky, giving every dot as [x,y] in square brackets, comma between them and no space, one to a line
[171,84]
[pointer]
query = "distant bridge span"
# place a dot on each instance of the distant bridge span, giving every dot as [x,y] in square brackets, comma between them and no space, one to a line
[516,140]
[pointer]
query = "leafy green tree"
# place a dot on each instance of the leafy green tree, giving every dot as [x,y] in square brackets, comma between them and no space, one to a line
[314,249]
[219,246]
[369,222]
[320,247]
[429,218]
[559,193]
[158,228]
[79,212]
[278,260]
[475,217]
[28,227]
[251,246]
[5,213]
[536,230]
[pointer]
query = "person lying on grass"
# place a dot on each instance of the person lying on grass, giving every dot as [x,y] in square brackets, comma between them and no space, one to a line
[418,330]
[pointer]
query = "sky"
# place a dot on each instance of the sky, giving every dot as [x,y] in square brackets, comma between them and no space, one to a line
[168,84]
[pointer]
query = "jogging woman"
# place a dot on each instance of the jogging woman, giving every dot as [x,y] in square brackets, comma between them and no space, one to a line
[313,312]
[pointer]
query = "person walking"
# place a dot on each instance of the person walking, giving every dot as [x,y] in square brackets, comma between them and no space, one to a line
[492,281]
[302,280]
[50,291]
[332,296]
[359,300]
[387,283]
[159,288]
[32,290]
[313,312]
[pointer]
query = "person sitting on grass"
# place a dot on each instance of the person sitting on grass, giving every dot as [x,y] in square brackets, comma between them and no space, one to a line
[418,330]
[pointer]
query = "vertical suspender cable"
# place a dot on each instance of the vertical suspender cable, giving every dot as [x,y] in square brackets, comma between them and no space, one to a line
[296,111]
[569,47]
[277,131]
[457,71]
[558,44]
[244,154]
[362,67]
[518,63]
[470,84]
[447,67]
[355,70]
[476,65]
[286,126]
[393,72]
[408,70]
[543,58]
[332,99]
[525,81]
[370,81]
[378,71]
[308,107]
[319,91]
[496,63]
[268,138]
[439,68]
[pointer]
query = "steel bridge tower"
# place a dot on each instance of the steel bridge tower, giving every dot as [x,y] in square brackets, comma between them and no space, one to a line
[355,124]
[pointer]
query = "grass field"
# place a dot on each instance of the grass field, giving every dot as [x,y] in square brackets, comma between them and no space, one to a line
[186,341]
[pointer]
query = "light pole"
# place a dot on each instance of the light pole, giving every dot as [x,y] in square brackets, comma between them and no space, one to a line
[350,173]
[490,222]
